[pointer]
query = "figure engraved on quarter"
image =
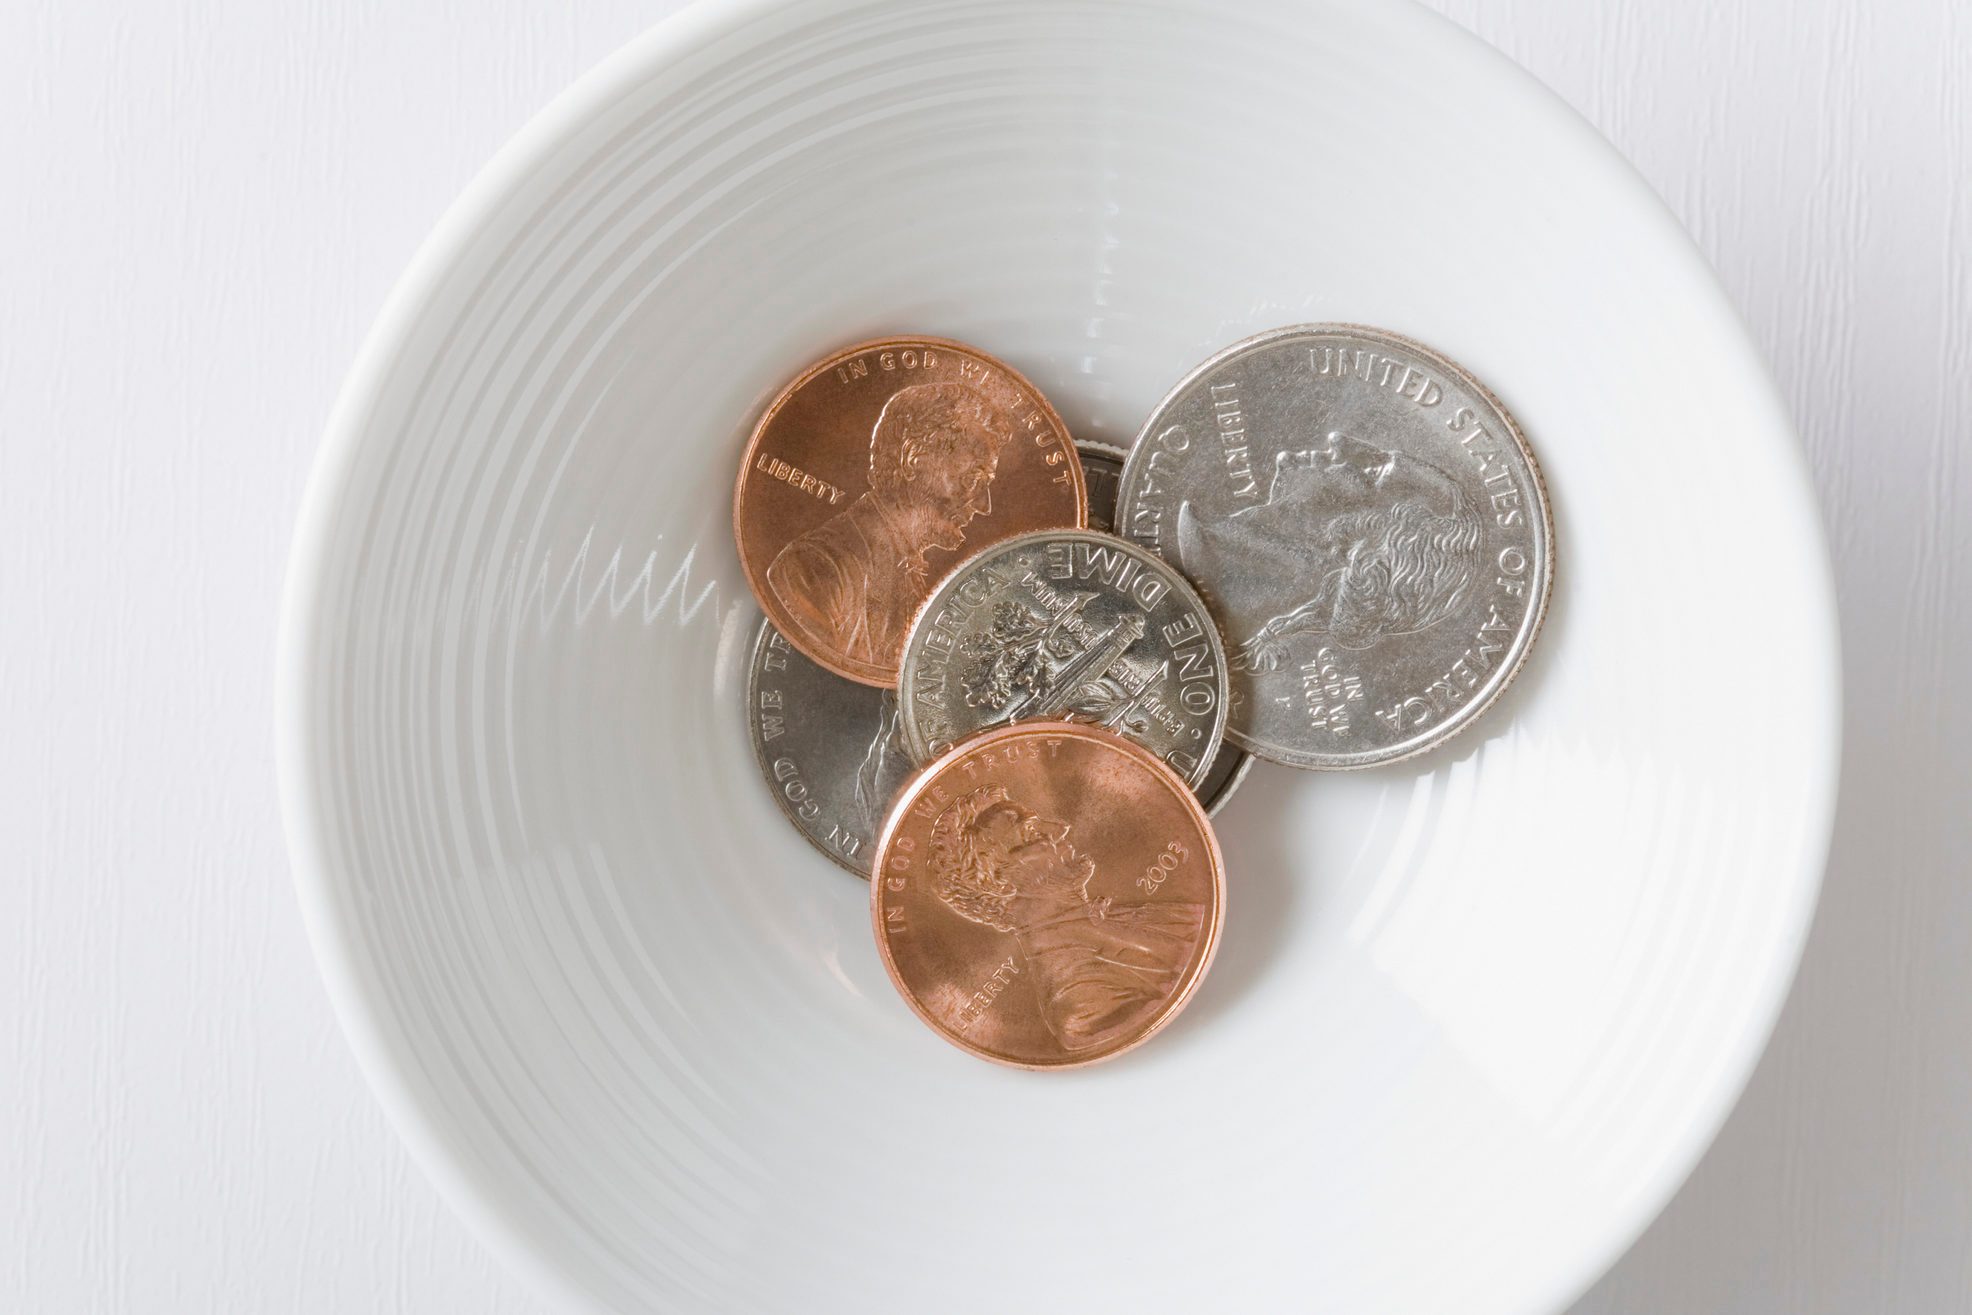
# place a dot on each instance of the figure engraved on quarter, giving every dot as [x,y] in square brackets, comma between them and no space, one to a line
[1388,541]
[1101,968]
[1369,527]
[855,580]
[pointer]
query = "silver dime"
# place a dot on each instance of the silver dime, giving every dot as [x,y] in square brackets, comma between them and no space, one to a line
[828,747]
[1068,625]
[1368,525]
[1102,471]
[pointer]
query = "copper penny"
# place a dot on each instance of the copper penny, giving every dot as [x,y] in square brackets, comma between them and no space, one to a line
[1047,894]
[873,473]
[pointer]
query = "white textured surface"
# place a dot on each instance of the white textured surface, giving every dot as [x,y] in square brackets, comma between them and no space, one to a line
[218,198]
[1473,1019]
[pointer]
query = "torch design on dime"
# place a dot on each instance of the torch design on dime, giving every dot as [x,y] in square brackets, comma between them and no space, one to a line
[1067,625]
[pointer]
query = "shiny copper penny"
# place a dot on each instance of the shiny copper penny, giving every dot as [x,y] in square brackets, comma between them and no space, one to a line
[1047,895]
[873,473]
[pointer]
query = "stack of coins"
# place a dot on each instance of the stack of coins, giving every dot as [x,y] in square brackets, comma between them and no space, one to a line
[1010,677]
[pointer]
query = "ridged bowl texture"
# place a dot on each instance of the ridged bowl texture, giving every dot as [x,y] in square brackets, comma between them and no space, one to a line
[1474,1016]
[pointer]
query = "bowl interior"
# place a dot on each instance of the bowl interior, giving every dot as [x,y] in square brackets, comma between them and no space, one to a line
[1473,1016]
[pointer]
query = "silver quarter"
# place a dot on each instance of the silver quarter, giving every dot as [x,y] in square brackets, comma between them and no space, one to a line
[828,747]
[1368,525]
[1102,471]
[1066,625]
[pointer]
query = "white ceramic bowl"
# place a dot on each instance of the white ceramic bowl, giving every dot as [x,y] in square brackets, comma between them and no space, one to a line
[1474,1016]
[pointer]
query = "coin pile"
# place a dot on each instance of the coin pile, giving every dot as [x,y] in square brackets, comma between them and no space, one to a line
[1009,676]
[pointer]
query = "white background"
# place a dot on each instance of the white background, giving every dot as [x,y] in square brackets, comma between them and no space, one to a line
[204,205]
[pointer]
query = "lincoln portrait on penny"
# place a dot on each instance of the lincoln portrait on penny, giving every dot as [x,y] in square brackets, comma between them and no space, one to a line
[1101,968]
[1353,542]
[855,581]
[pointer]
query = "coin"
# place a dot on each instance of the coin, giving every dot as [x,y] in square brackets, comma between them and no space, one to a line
[1367,523]
[1066,625]
[1102,469]
[873,473]
[1229,767]
[1047,895]
[829,749]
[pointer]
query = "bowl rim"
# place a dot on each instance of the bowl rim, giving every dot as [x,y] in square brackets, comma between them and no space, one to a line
[382,1048]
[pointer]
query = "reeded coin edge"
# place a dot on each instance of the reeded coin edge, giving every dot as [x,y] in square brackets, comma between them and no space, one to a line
[1095,446]
[864,673]
[1225,792]
[1504,675]
[914,743]
[751,695]
[1044,729]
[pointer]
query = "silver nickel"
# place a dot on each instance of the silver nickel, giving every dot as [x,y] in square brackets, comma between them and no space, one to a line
[1102,474]
[1367,523]
[829,749]
[1229,767]
[1068,625]
[1102,471]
